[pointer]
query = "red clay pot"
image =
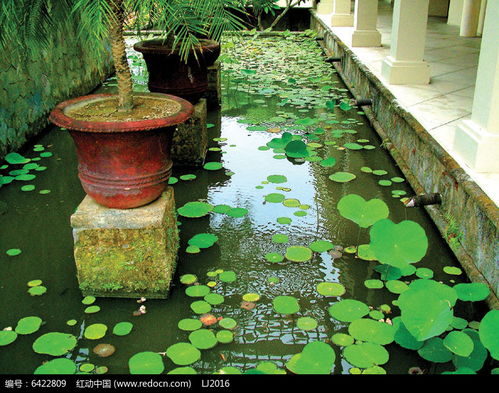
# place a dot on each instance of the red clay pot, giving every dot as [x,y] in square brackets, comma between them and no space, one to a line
[126,164]
[169,74]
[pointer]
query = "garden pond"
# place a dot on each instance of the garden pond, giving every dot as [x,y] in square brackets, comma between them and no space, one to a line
[296,254]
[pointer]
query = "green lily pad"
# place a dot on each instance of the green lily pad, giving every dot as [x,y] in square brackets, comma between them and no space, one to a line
[280,238]
[403,337]
[291,202]
[13,252]
[459,343]
[296,149]
[16,158]
[214,299]
[95,331]
[286,305]
[472,292]
[122,328]
[188,177]
[195,209]
[228,276]
[203,240]
[321,246]
[489,333]
[213,166]
[203,339]
[251,297]
[316,358]
[197,290]
[284,220]
[328,162]
[374,284]
[7,337]
[147,362]
[274,198]
[225,336]
[366,355]
[348,310]
[227,323]
[298,254]
[28,325]
[183,354]
[277,179]
[372,331]
[396,286]
[37,291]
[342,339]
[189,324]
[237,212]
[88,300]
[92,309]
[363,213]
[342,177]
[331,289]
[434,351]
[455,271]
[201,307]
[54,343]
[59,366]
[274,257]
[306,323]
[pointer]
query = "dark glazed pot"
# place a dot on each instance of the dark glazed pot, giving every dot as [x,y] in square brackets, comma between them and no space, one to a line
[169,74]
[125,164]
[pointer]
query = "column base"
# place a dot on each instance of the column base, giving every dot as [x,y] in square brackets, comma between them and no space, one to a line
[477,147]
[366,38]
[126,253]
[397,72]
[342,20]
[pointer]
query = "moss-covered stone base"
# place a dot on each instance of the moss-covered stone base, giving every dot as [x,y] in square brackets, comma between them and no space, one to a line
[190,141]
[126,253]
[214,93]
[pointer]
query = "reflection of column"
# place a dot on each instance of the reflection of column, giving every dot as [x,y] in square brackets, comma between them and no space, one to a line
[470,18]
[325,7]
[366,18]
[405,63]
[342,15]
[477,139]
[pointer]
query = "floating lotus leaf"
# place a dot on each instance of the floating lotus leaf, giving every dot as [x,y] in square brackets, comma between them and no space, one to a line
[92,309]
[374,370]
[200,307]
[459,343]
[280,238]
[221,209]
[379,172]
[277,179]
[87,367]
[374,284]
[423,272]
[403,337]
[88,300]
[284,220]
[183,371]
[328,162]
[316,358]
[348,310]
[12,252]
[146,363]
[28,325]
[197,290]
[366,355]
[227,323]
[291,202]
[187,177]
[122,328]
[286,305]
[372,331]
[280,143]
[237,212]
[365,253]
[95,331]
[60,366]
[342,177]
[104,350]
[434,351]
[455,271]
[331,289]
[306,323]
[398,244]
[54,343]
[251,297]
[188,279]
[459,323]
[385,183]
[37,291]
[321,246]
[229,370]
[489,332]
[425,311]
[342,339]
[477,358]
[363,213]
[397,179]
[353,146]
[274,257]
[183,354]
[203,240]
[376,314]
[396,286]
[296,149]
[34,283]
[189,324]
[225,336]
[228,276]
[214,299]
[274,197]
[172,180]
[203,339]
[195,209]
[16,158]
[192,250]
[300,213]
[298,253]
[7,337]
[71,322]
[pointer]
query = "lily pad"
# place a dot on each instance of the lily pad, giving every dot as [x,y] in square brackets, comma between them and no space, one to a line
[366,355]
[228,276]
[321,246]
[459,343]
[342,339]
[286,305]
[95,331]
[203,339]
[306,323]
[225,336]
[331,289]
[203,240]
[200,307]
[369,330]
[7,337]
[146,363]
[60,366]
[213,166]
[28,325]
[316,358]
[183,354]
[342,177]
[363,213]
[348,310]
[277,179]
[54,343]
[195,209]
[197,290]
[122,328]
[298,253]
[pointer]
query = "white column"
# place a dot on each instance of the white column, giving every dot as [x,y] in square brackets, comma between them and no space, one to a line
[405,63]
[470,18]
[455,12]
[366,18]
[342,15]
[325,7]
[477,139]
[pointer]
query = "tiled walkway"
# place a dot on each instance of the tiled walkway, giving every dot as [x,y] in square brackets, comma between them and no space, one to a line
[448,99]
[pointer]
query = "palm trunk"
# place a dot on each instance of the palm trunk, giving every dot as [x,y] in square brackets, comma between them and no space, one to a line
[123,75]
[289,5]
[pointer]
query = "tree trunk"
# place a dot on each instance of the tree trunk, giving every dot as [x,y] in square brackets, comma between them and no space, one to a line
[289,5]
[123,75]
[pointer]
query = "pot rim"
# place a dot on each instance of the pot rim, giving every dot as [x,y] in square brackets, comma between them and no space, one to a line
[207,45]
[59,118]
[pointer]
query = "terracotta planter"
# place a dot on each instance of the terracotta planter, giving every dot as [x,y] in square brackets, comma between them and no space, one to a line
[122,164]
[169,74]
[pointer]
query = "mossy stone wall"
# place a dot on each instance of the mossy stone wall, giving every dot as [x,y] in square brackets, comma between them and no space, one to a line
[32,84]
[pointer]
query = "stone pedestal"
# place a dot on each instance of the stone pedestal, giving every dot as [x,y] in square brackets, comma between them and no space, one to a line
[366,17]
[126,252]
[214,93]
[342,16]
[190,141]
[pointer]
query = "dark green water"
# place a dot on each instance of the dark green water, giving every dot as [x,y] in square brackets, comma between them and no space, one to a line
[39,225]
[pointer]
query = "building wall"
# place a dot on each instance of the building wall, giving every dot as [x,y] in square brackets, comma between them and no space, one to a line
[31,85]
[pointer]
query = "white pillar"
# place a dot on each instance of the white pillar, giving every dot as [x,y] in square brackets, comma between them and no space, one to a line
[470,18]
[366,18]
[342,15]
[477,139]
[325,7]
[455,12]
[405,63]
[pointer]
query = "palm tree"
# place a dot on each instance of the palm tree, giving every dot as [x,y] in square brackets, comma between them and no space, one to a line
[25,25]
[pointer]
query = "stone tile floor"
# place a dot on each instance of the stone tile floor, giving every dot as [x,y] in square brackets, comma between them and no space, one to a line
[448,99]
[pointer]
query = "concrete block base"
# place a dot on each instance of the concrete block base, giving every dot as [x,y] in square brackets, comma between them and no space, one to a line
[214,93]
[366,38]
[397,72]
[342,20]
[190,141]
[126,253]
[477,147]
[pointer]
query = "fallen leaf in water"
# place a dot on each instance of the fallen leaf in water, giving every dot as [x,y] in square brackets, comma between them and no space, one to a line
[248,305]
[104,350]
